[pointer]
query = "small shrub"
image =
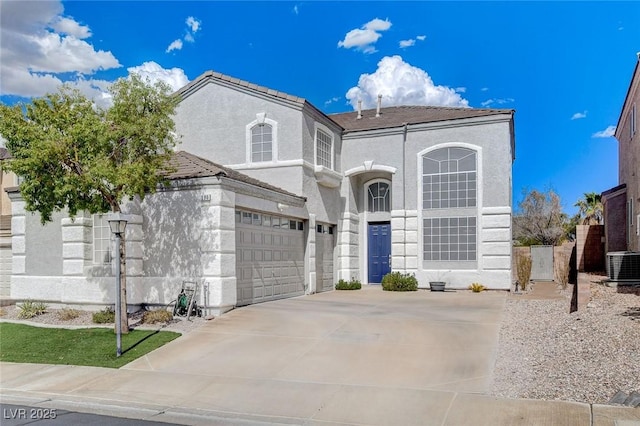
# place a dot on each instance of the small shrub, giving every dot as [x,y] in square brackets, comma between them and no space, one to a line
[67,314]
[158,315]
[348,285]
[523,267]
[562,269]
[396,281]
[477,287]
[30,309]
[105,316]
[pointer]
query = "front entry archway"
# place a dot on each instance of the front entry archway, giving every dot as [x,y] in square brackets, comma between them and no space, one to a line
[379,248]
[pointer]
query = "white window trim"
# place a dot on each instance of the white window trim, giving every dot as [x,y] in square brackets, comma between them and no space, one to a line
[261,119]
[478,207]
[325,129]
[98,255]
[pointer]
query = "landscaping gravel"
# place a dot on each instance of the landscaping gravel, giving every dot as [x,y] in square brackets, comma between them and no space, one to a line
[545,352]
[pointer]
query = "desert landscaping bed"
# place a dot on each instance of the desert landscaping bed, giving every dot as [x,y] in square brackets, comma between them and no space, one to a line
[545,352]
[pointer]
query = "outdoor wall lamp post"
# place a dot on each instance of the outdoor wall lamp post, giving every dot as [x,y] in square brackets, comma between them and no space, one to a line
[118,223]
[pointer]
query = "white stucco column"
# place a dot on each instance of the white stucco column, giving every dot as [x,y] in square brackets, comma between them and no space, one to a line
[18,236]
[310,254]
[398,240]
[76,245]
[412,252]
[218,248]
[348,247]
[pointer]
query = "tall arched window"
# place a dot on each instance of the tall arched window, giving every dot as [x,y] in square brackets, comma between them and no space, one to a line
[261,143]
[379,197]
[449,205]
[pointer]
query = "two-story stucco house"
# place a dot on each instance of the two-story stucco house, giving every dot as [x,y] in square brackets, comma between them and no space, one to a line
[273,198]
[622,203]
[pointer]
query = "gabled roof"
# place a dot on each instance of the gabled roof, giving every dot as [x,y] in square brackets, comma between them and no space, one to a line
[399,115]
[189,166]
[216,76]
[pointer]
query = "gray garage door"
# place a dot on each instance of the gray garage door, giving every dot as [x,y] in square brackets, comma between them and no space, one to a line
[324,257]
[5,269]
[269,257]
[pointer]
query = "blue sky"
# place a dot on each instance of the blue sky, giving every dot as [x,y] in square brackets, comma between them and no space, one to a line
[564,67]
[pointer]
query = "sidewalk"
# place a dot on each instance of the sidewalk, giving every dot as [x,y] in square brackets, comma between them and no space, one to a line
[192,400]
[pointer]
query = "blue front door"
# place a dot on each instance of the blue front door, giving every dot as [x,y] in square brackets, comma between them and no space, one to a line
[379,251]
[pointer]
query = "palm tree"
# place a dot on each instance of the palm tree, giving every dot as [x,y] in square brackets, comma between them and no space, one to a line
[590,208]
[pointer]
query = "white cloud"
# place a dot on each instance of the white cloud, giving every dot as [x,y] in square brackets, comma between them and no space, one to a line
[39,43]
[70,27]
[407,43]
[606,133]
[484,89]
[421,37]
[460,89]
[332,100]
[193,26]
[151,71]
[400,83]
[497,101]
[175,45]
[579,115]
[296,10]
[365,37]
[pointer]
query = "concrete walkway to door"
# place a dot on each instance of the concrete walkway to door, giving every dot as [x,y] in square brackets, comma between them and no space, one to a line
[363,357]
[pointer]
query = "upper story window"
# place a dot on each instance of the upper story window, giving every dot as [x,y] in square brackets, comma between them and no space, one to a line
[261,143]
[379,197]
[324,148]
[449,178]
[262,139]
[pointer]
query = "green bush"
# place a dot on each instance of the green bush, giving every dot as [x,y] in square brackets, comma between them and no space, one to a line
[348,285]
[105,316]
[396,281]
[30,309]
[158,315]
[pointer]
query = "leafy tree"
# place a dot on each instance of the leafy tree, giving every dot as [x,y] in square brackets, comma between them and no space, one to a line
[540,219]
[591,208]
[73,155]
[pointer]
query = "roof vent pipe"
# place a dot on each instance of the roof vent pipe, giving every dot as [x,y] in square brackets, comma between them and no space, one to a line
[359,109]
[379,105]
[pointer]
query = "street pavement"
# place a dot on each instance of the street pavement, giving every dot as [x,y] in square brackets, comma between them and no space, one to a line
[363,357]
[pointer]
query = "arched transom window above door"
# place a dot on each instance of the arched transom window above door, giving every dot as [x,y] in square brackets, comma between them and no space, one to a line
[379,197]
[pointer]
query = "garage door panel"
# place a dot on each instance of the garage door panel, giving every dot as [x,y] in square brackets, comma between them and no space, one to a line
[275,255]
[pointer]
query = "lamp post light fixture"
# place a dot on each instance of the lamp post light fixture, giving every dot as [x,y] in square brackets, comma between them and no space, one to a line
[118,224]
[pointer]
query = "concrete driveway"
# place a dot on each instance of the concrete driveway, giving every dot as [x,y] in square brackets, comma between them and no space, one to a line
[368,357]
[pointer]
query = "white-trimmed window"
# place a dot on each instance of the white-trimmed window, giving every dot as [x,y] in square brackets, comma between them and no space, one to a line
[324,147]
[101,240]
[449,178]
[379,197]
[449,238]
[261,143]
[450,205]
[262,140]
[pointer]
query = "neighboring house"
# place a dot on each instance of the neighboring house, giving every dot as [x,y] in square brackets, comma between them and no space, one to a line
[622,203]
[6,180]
[274,198]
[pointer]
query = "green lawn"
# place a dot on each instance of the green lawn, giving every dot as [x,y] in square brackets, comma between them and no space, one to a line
[91,346]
